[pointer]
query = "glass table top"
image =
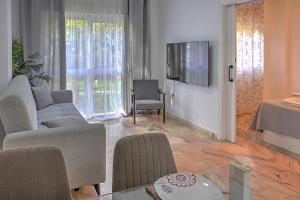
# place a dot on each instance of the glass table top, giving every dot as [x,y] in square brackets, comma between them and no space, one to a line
[236,182]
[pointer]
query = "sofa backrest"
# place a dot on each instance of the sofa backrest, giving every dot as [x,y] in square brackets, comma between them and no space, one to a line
[17,106]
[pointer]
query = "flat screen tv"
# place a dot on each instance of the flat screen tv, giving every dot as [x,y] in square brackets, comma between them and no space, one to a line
[188,62]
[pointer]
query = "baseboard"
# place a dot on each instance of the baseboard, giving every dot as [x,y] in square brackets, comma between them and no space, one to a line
[282,141]
[211,134]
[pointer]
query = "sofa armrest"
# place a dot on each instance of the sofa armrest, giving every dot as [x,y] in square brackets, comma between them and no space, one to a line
[83,147]
[62,96]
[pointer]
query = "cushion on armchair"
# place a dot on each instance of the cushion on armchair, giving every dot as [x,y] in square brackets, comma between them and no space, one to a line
[149,104]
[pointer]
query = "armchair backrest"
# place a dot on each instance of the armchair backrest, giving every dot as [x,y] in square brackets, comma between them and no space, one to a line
[33,173]
[146,89]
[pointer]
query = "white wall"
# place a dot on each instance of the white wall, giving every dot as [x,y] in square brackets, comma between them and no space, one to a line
[5,43]
[154,21]
[194,20]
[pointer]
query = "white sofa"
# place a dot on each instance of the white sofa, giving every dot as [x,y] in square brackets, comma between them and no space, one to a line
[83,145]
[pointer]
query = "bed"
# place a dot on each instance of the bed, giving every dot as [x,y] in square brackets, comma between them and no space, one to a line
[280,124]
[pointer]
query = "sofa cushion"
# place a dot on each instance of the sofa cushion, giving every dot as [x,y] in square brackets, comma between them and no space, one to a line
[149,104]
[57,111]
[64,121]
[17,106]
[42,96]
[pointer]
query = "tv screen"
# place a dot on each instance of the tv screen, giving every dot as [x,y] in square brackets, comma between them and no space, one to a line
[188,62]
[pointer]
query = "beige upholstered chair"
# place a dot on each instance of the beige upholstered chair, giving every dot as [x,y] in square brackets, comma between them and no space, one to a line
[140,160]
[33,173]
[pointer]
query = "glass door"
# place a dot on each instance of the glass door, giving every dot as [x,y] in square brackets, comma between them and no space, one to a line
[95,58]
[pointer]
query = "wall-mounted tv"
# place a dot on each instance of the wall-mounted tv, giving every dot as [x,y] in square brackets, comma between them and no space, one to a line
[188,62]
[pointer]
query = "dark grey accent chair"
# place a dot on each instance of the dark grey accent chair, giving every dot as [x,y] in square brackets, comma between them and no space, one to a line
[146,95]
[141,160]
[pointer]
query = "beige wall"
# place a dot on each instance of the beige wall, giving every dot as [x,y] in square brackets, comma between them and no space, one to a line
[294,83]
[282,48]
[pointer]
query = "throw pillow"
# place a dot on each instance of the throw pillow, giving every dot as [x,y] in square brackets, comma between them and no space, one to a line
[42,96]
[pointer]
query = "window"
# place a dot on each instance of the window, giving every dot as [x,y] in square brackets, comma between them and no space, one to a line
[95,60]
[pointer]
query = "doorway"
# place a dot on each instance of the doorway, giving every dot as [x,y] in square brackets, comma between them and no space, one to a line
[249,65]
[246,67]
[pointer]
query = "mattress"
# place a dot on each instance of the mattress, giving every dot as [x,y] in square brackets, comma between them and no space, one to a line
[275,116]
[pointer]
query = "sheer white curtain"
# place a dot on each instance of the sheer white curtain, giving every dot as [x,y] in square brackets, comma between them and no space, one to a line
[95,55]
[138,48]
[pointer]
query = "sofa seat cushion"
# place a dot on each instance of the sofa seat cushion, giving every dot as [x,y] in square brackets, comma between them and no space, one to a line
[65,121]
[149,104]
[57,111]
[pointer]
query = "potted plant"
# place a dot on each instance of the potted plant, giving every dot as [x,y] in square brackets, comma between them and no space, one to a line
[31,67]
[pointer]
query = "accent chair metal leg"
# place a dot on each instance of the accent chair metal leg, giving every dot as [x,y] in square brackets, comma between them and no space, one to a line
[164,116]
[164,109]
[97,188]
[158,111]
[134,115]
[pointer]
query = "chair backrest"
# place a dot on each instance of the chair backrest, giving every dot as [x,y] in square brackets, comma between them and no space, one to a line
[146,89]
[33,173]
[140,160]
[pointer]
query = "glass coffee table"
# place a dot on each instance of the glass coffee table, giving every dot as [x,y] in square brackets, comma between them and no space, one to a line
[235,181]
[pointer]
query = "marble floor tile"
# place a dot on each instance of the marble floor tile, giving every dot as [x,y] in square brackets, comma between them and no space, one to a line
[194,150]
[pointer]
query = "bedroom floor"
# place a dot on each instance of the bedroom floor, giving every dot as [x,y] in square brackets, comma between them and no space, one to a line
[195,150]
[242,128]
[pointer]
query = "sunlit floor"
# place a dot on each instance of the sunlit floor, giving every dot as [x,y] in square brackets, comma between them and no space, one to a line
[195,150]
[243,131]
